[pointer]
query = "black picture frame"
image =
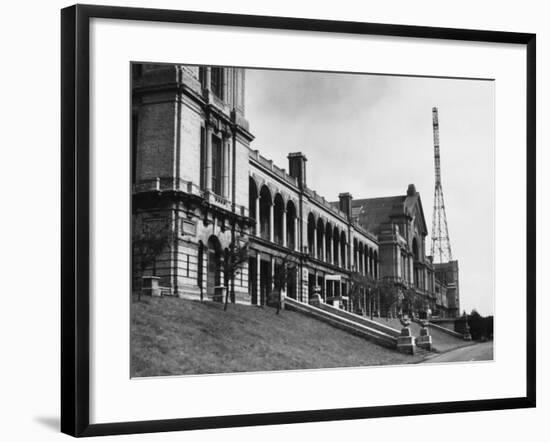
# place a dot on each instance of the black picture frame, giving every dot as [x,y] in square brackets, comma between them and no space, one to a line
[75,212]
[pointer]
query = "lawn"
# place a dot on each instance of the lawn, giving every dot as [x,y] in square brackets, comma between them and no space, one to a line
[171,336]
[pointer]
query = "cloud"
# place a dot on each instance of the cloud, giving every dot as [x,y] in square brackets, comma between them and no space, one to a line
[371,135]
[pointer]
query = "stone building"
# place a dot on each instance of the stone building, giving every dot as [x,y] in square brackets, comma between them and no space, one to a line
[398,222]
[292,220]
[197,179]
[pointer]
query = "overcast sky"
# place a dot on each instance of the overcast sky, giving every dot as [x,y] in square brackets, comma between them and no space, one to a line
[371,135]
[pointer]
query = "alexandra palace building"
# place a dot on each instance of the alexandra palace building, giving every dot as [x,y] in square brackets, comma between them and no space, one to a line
[195,171]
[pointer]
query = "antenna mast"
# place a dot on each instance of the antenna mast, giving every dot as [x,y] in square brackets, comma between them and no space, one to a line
[441,245]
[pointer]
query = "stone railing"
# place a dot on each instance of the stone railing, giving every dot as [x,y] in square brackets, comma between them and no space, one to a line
[444,329]
[180,185]
[268,164]
[217,200]
[359,319]
[323,202]
[342,321]
[167,184]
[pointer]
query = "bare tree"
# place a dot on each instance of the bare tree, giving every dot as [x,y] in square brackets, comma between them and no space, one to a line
[147,244]
[389,292]
[408,303]
[412,302]
[236,255]
[361,287]
[284,272]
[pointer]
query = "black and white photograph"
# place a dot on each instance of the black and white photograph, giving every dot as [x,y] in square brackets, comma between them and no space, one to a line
[299,220]
[274,221]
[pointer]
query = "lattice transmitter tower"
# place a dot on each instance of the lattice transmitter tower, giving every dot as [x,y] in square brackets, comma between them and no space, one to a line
[441,245]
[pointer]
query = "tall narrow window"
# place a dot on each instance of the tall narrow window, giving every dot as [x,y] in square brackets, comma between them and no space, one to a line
[202,76]
[216,82]
[134,146]
[203,159]
[217,165]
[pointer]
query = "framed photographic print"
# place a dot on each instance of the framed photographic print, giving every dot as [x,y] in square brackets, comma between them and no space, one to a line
[273,220]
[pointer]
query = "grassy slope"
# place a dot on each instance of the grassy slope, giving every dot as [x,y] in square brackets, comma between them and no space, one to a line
[171,336]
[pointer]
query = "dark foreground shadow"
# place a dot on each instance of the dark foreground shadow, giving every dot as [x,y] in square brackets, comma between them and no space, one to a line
[50,422]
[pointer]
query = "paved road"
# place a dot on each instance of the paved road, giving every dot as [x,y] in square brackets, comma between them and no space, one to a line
[477,352]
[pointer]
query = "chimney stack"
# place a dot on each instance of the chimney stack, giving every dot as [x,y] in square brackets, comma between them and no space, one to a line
[345,203]
[411,190]
[297,167]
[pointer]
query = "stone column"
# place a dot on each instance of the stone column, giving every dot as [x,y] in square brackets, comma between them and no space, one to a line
[324,245]
[208,78]
[225,84]
[258,273]
[352,253]
[225,177]
[285,243]
[271,230]
[272,270]
[296,247]
[258,227]
[314,254]
[332,250]
[208,160]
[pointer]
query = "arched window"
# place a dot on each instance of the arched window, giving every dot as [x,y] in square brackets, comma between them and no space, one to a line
[265,210]
[252,197]
[343,250]
[328,242]
[311,234]
[278,208]
[290,232]
[320,236]
[336,242]
[415,249]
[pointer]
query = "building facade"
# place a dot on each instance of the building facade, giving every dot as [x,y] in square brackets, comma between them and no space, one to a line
[400,226]
[197,180]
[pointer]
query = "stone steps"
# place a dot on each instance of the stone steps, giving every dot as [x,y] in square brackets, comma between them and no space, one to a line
[386,339]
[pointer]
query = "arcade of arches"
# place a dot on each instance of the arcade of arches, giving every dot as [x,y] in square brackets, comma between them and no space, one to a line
[317,253]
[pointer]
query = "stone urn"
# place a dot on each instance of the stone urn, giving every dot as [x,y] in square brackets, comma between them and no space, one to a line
[405,341]
[405,320]
[424,340]
[315,299]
